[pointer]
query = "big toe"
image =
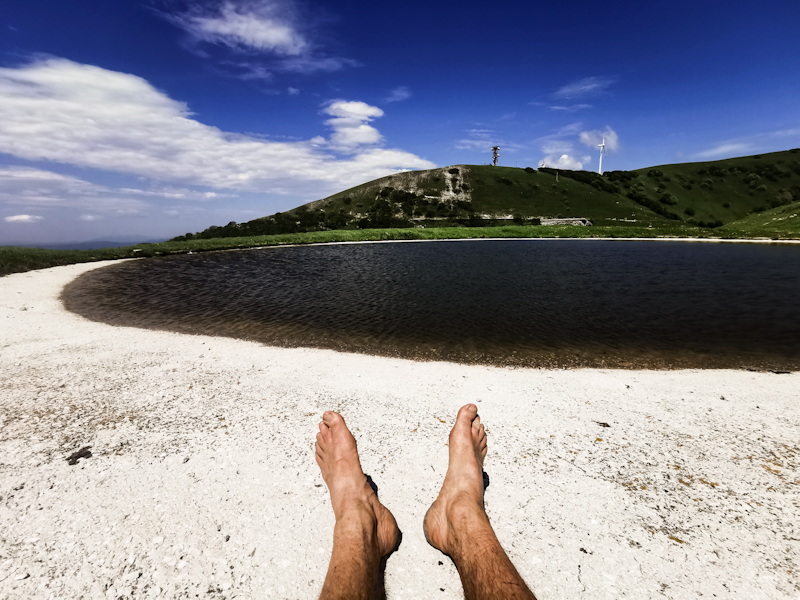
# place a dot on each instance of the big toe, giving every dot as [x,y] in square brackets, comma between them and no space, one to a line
[466,415]
[333,419]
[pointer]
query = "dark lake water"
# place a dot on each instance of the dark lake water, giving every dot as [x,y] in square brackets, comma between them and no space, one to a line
[540,303]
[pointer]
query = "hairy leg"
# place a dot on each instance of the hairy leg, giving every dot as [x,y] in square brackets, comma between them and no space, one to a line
[365,532]
[457,525]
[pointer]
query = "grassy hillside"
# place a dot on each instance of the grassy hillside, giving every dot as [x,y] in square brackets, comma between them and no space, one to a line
[725,190]
[780,222]
[709,195]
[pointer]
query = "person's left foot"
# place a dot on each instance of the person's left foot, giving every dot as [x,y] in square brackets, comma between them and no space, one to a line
[356,507]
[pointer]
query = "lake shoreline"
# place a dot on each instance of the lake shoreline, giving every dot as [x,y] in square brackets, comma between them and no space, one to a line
[202,460]
[15,259]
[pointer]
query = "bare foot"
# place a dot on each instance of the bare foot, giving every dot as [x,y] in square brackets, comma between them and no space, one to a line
[356,507]
[458,511]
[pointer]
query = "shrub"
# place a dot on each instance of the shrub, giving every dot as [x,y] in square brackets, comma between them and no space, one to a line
[762,188]
[465,187]
[505,180]
[702,172]
[716,171]
[689,211]
[623,176]
[518,218]
[726,205]
[668,199]
[530,170]
[637,196]
[686,186]
[454,171]
[347,200]
[759,209]
[474,220]
[384,193]
[655,173]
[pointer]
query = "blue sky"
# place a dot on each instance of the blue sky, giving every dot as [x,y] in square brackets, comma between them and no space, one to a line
[157,117]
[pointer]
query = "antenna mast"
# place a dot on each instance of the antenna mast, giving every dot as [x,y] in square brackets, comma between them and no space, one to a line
[495,154]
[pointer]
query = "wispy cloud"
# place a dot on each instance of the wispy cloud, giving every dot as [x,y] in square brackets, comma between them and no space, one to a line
[726,149]
[59,110]
[270,32]
[399,94]
[570,108]
[90,218]
[597,136]
[750,144]
[484,139]
[588,86]
[247,26]
[23,219]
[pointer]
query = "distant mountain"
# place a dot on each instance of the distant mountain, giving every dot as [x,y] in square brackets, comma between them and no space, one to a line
[707,194]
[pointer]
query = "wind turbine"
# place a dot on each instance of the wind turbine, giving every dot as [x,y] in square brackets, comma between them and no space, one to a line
[602,151]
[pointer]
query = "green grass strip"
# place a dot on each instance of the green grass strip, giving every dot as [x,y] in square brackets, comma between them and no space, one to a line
[15,259]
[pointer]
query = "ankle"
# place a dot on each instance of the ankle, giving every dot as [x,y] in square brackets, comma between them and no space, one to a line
[356,516]
[468,526]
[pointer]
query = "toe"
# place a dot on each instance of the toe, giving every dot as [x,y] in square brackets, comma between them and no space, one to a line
[332,419]
[467,414]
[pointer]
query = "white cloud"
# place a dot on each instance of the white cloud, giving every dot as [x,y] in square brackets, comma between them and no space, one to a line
[36,189]
[269,31]
[752,144]
[23,219]
[399,94]
[556,146]
[483,140]
[565,161]
[131,212]
[245,26]
[349,124]
[597,136]
[91,218]
[570,108]
[293,91]
[62,111]
[726,149]
[588,86]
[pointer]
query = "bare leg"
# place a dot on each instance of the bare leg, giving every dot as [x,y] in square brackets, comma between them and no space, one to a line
[365,532]
[456,523]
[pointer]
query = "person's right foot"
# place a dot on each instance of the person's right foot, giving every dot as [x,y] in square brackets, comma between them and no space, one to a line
[355,506]
[458,511]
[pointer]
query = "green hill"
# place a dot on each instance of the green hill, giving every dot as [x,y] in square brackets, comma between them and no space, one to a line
[736,193]
[783,221]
